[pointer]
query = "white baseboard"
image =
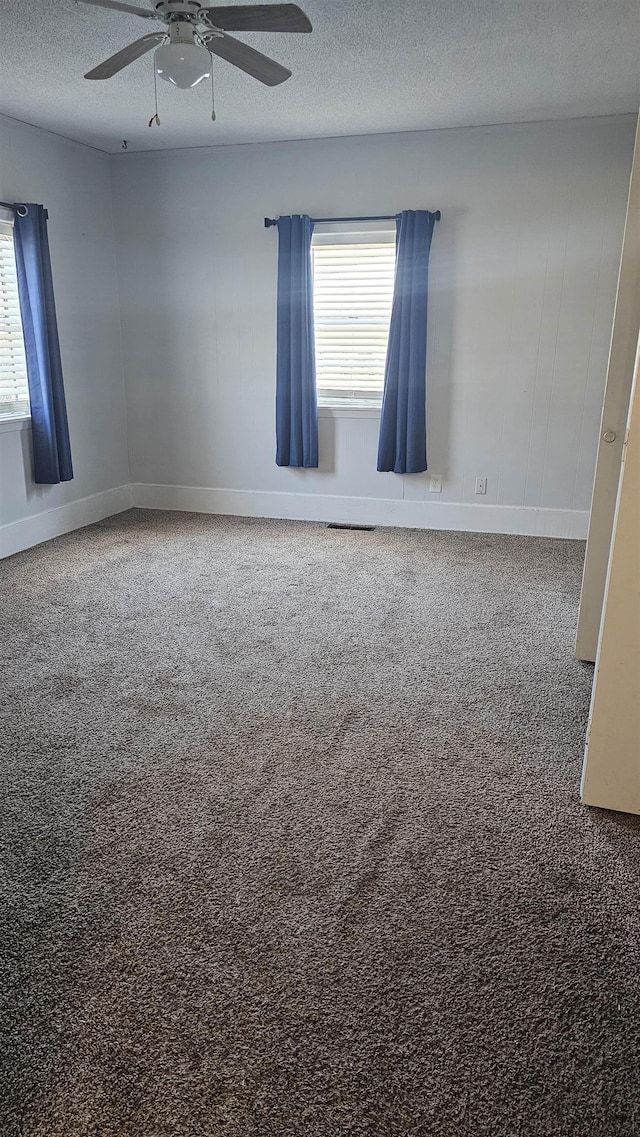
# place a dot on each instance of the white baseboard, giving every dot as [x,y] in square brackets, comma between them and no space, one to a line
[568,523]
[29,531]
[465,516]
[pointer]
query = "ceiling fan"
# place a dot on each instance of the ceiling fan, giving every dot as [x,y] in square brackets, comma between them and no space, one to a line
[194,32]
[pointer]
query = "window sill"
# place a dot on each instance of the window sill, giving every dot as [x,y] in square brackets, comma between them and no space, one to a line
[349,412]
[15,422]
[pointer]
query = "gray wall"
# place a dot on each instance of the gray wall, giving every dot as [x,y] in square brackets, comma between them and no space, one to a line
[73,181]
[524,268]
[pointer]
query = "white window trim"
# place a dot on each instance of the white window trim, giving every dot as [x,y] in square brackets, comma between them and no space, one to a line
[11,421]
[10,424]
[331,233]
[349,412]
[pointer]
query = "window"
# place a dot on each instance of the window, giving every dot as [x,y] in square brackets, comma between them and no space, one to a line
[353,275]
[14,390]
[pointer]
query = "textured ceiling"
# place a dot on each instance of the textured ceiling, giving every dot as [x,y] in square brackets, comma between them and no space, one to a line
[368,67]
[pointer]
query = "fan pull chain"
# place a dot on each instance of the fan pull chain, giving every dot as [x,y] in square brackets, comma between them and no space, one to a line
[213,105]
[156,117]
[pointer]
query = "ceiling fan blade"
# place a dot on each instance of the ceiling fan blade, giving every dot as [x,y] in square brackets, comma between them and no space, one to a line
[146,13]
[247,59]
[258,18]
[122,58]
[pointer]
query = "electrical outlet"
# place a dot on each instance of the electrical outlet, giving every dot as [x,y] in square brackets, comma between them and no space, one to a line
[435,483]
[481,485]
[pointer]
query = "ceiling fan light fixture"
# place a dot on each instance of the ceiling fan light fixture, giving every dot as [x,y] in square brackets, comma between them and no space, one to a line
[182,64]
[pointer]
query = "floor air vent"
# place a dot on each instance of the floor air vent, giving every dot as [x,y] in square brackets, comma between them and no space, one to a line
[345,525]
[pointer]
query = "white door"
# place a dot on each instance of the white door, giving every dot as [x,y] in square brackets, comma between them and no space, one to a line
[611,773]
[615,409]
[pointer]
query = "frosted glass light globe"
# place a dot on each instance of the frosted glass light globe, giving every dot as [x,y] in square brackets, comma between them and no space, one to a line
[183,64]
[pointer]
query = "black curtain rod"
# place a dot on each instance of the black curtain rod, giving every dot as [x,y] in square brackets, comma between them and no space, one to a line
[269,221]
[20,209]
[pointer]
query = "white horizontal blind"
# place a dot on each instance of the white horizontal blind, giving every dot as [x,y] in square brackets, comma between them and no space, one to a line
[14,390]
[352,295]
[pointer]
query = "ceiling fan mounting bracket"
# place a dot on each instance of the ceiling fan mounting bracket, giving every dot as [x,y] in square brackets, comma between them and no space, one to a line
[187,12]
[171,10]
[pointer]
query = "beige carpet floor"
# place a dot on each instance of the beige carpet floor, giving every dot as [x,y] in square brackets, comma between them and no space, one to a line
[292,843]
